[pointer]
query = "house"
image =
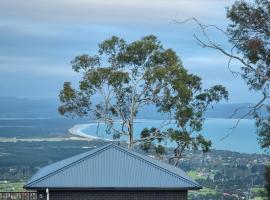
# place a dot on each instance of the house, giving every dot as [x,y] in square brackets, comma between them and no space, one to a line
[111,172]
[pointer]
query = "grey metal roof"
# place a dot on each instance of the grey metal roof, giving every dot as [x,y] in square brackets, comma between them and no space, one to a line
[111,167]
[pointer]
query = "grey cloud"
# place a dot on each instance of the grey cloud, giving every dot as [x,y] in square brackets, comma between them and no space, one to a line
[38,38]
[113,11]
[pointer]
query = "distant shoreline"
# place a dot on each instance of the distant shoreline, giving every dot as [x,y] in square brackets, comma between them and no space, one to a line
[77,130]
[45,139]
[214,128]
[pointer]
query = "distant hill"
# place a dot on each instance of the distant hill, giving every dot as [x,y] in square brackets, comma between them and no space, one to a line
[12,107]
[229,110]
[27,108]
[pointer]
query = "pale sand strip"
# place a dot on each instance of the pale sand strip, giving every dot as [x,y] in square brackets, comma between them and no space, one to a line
[77,130]
[48,139]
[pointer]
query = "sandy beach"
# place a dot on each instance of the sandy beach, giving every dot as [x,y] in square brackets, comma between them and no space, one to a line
[46,139]
[77,131]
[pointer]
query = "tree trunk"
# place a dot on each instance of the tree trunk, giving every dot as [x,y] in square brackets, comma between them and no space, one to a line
[130,136]
[178,153]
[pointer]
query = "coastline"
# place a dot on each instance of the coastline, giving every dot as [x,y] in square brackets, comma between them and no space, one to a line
[214,128]
[77,131]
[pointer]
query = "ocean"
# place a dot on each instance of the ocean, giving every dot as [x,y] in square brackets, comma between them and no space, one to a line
[241,139]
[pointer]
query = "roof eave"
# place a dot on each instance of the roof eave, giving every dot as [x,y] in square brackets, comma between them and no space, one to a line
[117,188]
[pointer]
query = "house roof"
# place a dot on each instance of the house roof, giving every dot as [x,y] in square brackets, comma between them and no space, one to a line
[111,167]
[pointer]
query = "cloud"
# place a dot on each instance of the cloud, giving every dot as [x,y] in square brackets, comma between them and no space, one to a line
[113,11]
[36,66]
[52,71]
[38,38]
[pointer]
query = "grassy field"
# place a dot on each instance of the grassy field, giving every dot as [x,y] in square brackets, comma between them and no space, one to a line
[204,191]
[11,186]
[259,198]
[256,191]
[196,175]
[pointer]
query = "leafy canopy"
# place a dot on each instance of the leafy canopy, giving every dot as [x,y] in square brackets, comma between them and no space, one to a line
[249,32]
[129,76]
[249,35]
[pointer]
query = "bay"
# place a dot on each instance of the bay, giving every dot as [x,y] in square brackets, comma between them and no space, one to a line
[221,132]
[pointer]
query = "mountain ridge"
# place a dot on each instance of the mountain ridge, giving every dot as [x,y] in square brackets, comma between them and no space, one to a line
[22,107]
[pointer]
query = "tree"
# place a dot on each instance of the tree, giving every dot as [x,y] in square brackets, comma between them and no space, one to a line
[249,36]
[249,32]
[138,74]
[189,119]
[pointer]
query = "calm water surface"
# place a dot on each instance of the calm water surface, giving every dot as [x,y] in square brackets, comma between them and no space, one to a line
[240,139]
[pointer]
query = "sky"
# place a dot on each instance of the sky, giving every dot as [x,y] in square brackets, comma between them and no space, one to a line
[39,38]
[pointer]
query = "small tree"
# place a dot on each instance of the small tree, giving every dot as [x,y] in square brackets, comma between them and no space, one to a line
[138,74]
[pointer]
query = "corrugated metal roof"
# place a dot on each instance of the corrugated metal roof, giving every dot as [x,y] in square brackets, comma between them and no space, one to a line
[111,166]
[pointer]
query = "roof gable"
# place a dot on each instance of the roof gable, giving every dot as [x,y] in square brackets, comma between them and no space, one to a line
[111,166]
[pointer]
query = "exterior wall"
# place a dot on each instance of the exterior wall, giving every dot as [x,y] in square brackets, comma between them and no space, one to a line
[113,195]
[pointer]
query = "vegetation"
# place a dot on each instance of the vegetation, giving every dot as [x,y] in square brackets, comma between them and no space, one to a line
[226,175]
[221,173]
[267,181]
[7,186]
[249,35]
[141,73]
[20,160]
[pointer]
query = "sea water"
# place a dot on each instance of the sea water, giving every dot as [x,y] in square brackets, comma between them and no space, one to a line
[221,132]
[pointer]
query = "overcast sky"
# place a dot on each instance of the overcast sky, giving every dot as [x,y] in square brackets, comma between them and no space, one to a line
[39,38]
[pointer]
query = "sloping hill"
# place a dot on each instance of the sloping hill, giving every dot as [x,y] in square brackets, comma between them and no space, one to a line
[12,107]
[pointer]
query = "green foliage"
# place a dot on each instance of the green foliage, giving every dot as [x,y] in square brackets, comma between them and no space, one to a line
[263,128]
[267,181]
[140,73]
[6,186]
[249,34]
[160,150]
[75,102]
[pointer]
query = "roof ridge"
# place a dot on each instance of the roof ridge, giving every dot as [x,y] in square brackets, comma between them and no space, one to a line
[96,151]
[149,161]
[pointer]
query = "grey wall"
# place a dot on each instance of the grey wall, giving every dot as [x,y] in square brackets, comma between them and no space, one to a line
[113,195]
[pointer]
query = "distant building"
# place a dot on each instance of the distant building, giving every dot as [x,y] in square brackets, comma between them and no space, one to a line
[111,172]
